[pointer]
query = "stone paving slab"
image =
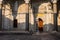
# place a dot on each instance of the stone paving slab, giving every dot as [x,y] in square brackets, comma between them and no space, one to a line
[14,32]
[31,37]
[41,36]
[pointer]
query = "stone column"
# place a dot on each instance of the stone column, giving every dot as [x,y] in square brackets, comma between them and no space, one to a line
[27,15]
[55,14]
[55,6]
[1,14]
[15,9]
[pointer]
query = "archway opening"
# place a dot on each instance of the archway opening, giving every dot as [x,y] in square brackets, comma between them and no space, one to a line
[15,23]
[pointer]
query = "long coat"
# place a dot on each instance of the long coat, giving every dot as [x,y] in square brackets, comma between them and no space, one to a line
[40,24]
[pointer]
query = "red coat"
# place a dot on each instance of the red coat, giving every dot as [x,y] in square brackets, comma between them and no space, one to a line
[40,23]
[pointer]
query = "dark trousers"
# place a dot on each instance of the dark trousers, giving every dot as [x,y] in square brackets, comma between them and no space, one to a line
[40,29]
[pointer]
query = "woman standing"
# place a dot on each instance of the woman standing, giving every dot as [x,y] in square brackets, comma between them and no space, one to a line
[40,25]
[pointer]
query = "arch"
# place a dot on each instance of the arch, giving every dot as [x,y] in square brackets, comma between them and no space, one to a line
[43,7]
[7,17]
[8,11]
[23,8]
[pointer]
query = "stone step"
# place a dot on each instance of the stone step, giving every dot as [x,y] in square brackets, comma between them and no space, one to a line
[15,32]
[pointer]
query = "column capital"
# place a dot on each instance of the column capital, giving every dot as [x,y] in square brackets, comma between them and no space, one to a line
[54,1]
[1,1]
[26,1]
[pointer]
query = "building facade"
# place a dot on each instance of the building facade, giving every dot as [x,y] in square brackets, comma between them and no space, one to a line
[20,15]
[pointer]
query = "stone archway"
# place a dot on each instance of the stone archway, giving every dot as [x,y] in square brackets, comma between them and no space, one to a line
[46,16]
[22,16]
[7,18]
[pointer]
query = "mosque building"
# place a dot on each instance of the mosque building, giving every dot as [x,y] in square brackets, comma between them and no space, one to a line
[23,15]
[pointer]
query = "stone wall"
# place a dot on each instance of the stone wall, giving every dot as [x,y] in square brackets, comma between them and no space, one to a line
[0,15]
[34,14]
[7,17]
[58,21]
[48,18]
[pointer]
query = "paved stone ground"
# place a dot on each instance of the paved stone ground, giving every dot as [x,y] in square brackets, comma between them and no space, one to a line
[41,36]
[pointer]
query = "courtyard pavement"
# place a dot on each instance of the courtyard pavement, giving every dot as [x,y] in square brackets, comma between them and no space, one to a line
[36,36]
